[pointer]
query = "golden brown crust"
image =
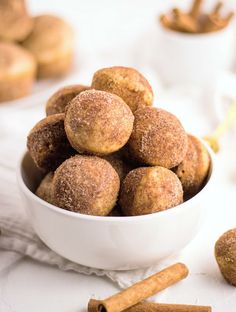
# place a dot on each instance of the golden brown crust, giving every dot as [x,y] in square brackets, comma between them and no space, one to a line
[52,44]
[125,82]
[57,103]
[48,144]
[225,253]
[86,184]
[15,23]
[158,138]
[149,190]
[44,190]
[98,122]
[193,170]
[17,71]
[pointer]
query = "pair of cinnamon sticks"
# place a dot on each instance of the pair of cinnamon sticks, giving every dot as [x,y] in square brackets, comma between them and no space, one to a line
[131,299]
[195,21]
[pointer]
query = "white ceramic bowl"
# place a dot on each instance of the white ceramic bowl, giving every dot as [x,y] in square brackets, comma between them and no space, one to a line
[111,242]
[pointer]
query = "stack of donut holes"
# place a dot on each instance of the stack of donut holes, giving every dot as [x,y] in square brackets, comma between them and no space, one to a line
[106,151]
[31,48]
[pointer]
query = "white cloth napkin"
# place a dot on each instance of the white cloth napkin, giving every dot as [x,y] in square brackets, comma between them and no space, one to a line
[18,236]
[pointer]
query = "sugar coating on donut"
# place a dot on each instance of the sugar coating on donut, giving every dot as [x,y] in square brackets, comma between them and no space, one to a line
[225,253]
[44,190]
[98,122]
[48,144]
[57,103]
[125,82]
[86,184]
[158,138]
[194,168]
[148,190]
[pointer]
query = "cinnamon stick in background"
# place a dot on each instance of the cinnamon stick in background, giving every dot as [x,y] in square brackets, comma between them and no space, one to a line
[141,290]
[229,17]
[214,22]
[185,22]
[166,22]
[195,10]
[162,307]
[211,23]
[195,21]
[218,7]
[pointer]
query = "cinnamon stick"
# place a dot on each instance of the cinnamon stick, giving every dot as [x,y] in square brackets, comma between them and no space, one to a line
[141,290]
[195,21]
[184,21]
[162,307]
[214,22]
[218,7]
[165,21]
[155,307]
[168,23]
[229,17]
[94,305]
[195,10]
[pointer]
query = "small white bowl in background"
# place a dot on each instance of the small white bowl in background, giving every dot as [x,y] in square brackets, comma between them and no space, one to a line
[199,59]
[204,61]
[112,243]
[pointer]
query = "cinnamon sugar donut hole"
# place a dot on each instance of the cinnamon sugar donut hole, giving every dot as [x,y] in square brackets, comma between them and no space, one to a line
[148,190]
[194,168]
[44,190]
[52,43]
[98,122]
[57,103]
[47,143]
[158,138]
[15,22]
[86,184]
[125,82]
[17,71]
[225,253]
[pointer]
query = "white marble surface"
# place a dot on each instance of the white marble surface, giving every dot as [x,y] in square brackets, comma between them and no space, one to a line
[29,286]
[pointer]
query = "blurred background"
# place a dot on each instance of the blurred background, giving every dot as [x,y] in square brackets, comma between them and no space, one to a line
[127,33]
[114,32]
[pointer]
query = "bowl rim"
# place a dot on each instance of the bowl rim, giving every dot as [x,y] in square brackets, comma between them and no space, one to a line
[196,36]
[174,210]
